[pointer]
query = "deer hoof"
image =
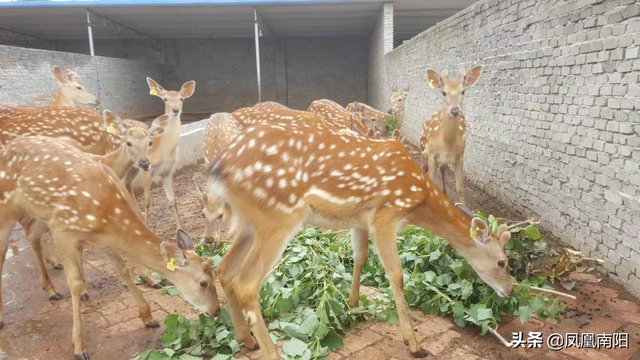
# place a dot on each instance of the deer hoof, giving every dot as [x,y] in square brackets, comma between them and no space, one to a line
[55,297]
[157,286]
[84,297]
[152,324]
[58,266]
[83,356]
[421,353]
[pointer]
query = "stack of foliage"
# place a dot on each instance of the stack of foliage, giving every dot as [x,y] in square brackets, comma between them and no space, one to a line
[305,298]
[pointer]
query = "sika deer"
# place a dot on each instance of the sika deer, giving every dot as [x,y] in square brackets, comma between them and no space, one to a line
[372,118]
[272,105]
[444,134]
[278,177]
[221,129]
[269,113]
[337,117]
[69,92]
[164,152]
[86,205]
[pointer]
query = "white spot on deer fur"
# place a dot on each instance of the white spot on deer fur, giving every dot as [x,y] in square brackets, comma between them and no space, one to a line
[259,193]
[280,172]
[282,183]
[460,127]
[91,217]
[86,194]
[388,178]
[398,192]
[385,192]
[336,173]
[137,232]
[127,221]
[272,150]
[72,193]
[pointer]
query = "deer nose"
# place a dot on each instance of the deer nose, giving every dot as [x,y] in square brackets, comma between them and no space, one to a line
[176,111]
[455,111]
[144,164]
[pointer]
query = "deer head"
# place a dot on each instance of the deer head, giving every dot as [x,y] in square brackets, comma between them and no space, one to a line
[213,211]
[192,275]
[397,100]
[172,99]
[70,91]
[453,89]
[137,141]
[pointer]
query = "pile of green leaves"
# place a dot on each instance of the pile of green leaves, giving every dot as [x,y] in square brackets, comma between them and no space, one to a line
[392,124]
[305,299]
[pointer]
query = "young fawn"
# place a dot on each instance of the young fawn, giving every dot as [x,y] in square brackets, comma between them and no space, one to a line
[337,117]
[69,92]
[221,129]
[278,177]
[444,134]
[85,204]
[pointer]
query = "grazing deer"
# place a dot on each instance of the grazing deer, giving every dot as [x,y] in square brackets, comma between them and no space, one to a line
[69,92]
[373,118]
[221,129]
[278,177]
[85,204]
[336,116]
[164,152]
[444,134]
[269,113]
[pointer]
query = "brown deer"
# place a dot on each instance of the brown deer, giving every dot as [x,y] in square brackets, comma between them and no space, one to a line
[221,129]
[336,116]
[372,118]
[444,134]
[87,206]
[164,152]
[270,113]
[271,104]
[338,180]
[70,91]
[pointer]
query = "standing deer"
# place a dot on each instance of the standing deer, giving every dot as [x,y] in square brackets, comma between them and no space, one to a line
[444,134]
[221,129]
[372,118]
[164,152]
[69,92]
[337,117]
[333,179]
[85,204]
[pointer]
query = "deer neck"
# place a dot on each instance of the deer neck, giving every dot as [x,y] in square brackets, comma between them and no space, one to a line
[143,249]
[450,126]
[117,160]
[399,118]
[60,100]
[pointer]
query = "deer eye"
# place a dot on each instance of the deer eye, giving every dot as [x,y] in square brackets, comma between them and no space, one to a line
[128,144]
[462,92]
[444,93]
[150,143]
[164,99]
[501,264]
[79,87]
[203,284]
[181,99]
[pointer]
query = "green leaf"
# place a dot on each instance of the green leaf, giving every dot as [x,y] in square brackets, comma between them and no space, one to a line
[443,279]
[536,303]
[189,357]
[430,276]
[526,313]
[309,324]
[392,317]
[220,356]
[171,323]
[333,341]
[171,290]
[294,347]
[435,255]
[532,232]
[484,314]
[552,310]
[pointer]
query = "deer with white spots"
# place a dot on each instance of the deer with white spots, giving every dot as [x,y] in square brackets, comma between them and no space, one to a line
[444,134]
[271,104]
[86,205]
[164,152]
[132,153]
[278,177]
[274,112]
[221,129]
[69,93]
[337,117]
[372,118]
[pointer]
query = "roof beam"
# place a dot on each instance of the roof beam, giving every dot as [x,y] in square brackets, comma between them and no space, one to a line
[33,41]
[125,31]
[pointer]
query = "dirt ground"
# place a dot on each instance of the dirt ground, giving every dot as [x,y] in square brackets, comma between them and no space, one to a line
[36,328]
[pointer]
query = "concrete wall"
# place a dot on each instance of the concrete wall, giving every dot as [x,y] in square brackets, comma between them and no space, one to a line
[380,43]
[119,84]
[554,120]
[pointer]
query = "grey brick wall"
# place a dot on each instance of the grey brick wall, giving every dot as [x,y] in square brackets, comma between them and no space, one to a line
[554,120]
[119,84]
[380,43]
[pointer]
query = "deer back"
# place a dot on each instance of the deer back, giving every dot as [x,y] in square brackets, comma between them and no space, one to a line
[336,116]
[272,105]
[255,115]
[221,129]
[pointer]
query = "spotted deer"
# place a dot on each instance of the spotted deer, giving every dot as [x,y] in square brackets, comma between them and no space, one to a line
[444,134]
[132,153]
[221,129]
[87,206]
[70,91]
[271,104]
[278,177]
[164,152]
[337,117]
[269,113]
[372,118]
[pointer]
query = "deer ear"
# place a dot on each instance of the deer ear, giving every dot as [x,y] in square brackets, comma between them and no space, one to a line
[503,234]
[355,129]
[188,89]
[394,87]
[72,75]
[435,81]
[479,230]
[154,87]
[396,134]
[173,254]
[58,75]
[472,77]
[111,118]
[201,189]
[185,242]
[159,125]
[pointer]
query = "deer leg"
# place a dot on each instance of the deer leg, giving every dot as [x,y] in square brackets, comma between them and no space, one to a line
[226,272]
[460,180]
[424,158]
[35,230]
[386,242]
[360,241]
[72,256]
[143,306]
[84,296]
[145,177]
[444,183]
[432,166]
[5,233]
[167,183]
[149,279]
[128,183]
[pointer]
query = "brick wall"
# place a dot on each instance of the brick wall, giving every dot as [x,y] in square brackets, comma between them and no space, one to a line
[554,120]
[119,84]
